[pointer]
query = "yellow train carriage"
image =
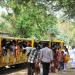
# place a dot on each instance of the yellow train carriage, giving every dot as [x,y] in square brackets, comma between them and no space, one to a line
[18,55]
[57,43]
[53,43]
[15,56]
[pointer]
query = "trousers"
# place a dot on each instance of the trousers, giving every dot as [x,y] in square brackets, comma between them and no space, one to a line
[31,68]
[45,68]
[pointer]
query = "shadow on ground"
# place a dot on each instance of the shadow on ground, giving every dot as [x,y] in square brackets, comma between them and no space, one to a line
[5,71]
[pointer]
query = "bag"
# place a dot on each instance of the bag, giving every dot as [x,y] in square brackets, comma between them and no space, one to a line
[66,58]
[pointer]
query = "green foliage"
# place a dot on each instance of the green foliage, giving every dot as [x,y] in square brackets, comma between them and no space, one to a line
[68,6]
[34,19]
[4,28]
[30,19]
[1,27]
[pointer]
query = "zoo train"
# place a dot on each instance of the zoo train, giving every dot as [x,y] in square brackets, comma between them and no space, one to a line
[12,50]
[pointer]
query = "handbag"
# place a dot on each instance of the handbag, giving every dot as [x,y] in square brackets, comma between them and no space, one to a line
[66,58]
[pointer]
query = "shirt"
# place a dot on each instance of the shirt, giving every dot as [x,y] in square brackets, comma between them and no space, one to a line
[28,49]
[32,55]
[46,55]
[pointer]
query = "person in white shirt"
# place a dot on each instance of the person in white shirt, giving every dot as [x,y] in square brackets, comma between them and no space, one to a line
[46,56]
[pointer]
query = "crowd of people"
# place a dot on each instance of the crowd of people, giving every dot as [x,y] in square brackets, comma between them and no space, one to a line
[43,59]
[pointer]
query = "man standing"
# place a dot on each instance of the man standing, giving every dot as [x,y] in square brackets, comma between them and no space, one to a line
[46,56]
[32,54]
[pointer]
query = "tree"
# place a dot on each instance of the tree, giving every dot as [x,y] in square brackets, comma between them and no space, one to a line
[30,18]
[34,19]
[5,26]
[67,6]
[67,32]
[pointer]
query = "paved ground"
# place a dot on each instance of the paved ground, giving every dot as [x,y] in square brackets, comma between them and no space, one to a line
[69,72]
[23,71]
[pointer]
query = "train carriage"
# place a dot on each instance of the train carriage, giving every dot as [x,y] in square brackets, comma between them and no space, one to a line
[12,50]
[54,43]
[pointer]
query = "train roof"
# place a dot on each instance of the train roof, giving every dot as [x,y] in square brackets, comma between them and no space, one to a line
[52,41]
[28,39]
[15,38]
